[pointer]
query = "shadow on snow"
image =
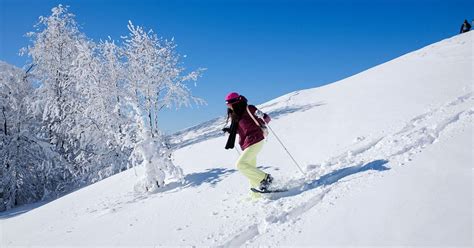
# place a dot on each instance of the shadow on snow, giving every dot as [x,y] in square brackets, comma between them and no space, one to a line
[332,178]
[210,176]
[16,211]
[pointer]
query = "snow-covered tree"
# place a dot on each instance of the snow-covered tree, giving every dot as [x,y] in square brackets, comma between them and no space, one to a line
[24,156]
[155,75]
[105,124]
[68,69]
[113,82]
[13,91]
[157,81]
[54,52]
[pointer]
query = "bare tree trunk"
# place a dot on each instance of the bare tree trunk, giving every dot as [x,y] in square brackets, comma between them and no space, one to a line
[150,119]
[120,116]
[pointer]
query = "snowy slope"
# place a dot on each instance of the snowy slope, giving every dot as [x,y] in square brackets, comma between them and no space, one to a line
[9,70]
[387,153]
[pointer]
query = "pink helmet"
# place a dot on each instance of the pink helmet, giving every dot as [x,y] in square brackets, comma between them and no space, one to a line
[232,97]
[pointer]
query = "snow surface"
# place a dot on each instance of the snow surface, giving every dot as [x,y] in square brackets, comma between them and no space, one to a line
[388,156]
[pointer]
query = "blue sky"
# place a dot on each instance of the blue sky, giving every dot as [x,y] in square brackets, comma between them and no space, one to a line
[262,49]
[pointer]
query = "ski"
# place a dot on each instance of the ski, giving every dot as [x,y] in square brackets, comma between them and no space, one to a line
[268,191]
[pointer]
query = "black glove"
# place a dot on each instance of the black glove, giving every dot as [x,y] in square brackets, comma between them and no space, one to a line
[226,129]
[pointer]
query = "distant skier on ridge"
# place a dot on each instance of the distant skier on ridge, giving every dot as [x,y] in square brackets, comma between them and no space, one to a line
[465,27]
[249,122]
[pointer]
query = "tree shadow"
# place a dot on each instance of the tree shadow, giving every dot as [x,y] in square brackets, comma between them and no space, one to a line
[210,176]
[16,211]
[332,178]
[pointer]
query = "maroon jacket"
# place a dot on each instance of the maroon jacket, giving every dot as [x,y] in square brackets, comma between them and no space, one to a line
[249,132]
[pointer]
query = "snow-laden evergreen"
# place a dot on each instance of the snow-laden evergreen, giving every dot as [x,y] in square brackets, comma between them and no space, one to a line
[84,111]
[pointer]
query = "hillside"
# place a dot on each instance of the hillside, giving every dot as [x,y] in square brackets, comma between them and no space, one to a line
[387,155]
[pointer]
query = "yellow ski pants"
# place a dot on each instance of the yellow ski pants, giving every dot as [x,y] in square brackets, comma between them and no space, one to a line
[247,165]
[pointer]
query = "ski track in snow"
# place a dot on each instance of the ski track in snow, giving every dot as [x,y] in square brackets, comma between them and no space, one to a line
[418,133]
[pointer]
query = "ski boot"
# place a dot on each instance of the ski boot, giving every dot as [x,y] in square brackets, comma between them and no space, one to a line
[265,183]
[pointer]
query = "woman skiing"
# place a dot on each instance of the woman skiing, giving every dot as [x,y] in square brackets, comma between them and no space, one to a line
[249,123]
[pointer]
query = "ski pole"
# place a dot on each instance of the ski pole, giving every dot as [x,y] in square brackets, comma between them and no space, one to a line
[237,151]
[281,143]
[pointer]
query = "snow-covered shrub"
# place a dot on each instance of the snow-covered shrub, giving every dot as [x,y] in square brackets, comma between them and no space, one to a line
[154,157]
